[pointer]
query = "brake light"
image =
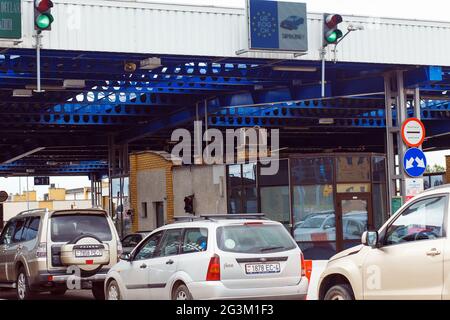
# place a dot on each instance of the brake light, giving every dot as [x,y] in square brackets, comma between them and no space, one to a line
[41,251]
[302,265]
[119,248]
[213,269]
[253,223]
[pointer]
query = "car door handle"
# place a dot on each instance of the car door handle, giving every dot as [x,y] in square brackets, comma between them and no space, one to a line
[433,252]
[143,266]
[169,261]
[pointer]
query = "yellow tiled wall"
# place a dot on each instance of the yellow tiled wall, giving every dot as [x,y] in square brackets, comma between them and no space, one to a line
[149,161]
[23,197]
[46,205]
[57,194]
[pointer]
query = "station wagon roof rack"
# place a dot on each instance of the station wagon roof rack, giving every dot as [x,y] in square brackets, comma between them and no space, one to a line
[235,216]
[32,210]
[254,216]
[186,218]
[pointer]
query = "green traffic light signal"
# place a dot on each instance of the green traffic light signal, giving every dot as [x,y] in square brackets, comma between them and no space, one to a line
[44,20]
[333,36]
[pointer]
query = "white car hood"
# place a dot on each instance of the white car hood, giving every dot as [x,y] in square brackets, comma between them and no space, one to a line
[347,252]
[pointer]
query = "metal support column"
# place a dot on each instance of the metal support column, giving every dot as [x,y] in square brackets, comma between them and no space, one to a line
[118,169]
[96,191]
[93,194]
[395,101]
[417,113]
[401,117]
[110,173]
[390,154]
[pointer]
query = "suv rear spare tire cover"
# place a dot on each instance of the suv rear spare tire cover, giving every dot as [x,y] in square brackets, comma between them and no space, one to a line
[87,252]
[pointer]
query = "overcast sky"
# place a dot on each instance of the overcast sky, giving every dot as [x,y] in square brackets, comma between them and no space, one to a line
[410,9]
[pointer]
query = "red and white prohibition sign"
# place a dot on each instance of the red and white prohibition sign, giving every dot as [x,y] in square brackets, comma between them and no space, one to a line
[413,132]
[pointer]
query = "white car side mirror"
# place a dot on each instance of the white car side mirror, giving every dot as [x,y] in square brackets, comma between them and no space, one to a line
[370,238]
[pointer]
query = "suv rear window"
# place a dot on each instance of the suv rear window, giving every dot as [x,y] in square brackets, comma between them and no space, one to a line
[65,228]
[254,238]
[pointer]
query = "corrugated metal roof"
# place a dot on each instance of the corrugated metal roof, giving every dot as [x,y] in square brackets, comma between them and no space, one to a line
[153,28]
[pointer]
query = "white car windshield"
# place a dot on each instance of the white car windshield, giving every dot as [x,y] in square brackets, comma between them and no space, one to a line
[254,238]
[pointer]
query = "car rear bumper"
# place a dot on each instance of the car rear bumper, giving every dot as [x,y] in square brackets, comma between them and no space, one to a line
[58,278]
[215,290]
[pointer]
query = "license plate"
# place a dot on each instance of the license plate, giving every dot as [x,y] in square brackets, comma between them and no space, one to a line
[88,253]
[262,268]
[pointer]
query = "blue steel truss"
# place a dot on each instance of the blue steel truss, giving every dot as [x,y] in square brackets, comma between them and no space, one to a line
[143,106]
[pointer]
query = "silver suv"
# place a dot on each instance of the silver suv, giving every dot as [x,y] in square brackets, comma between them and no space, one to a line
[53,251]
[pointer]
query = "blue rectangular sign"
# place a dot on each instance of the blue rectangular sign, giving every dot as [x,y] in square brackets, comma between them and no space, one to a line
[275,25]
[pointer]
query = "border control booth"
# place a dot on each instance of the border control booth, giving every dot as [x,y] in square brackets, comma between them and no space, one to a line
[326,200]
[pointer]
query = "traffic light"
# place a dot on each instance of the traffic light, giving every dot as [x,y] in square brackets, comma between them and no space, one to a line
[189,204]
[43,18]
[331,33]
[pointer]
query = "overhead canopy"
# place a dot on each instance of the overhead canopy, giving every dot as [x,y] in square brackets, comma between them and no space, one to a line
[96,93]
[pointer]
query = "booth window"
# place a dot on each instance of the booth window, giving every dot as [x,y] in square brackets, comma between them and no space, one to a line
[274,194]
[314,225]
[242,192]
[353,169]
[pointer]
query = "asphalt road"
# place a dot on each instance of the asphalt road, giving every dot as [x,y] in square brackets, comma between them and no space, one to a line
[70,295]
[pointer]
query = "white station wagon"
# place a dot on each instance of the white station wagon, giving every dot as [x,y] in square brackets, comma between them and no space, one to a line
[212,257]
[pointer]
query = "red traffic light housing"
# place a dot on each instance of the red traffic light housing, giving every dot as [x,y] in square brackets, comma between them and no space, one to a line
[44,5]
[332,20]
[331,32]
[43,18]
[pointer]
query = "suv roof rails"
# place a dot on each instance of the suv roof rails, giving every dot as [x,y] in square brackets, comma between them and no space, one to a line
[235,216]
[32,210]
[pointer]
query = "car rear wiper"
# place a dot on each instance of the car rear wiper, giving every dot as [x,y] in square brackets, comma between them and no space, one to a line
[271,248]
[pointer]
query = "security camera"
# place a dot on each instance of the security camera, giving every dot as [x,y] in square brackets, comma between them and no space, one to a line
[352,27]
[130,67]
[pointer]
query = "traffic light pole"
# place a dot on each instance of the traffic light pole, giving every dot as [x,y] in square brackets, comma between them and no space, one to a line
[38,61]
[322,54]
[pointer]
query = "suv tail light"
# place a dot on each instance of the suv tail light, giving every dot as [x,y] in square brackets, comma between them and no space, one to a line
[213,269]
[41,251]
[119,248]
[302,265]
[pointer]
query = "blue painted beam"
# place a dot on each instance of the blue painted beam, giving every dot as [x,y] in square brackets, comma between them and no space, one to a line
[169,122]
[355,87]
[280,122]
[422,76]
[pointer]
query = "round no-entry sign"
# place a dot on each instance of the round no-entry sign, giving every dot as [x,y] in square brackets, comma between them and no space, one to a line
[413,132]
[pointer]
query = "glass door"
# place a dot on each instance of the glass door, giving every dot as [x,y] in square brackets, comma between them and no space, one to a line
[354,216]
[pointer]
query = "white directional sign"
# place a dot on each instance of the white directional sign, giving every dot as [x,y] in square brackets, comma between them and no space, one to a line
[414,162]
[413,132]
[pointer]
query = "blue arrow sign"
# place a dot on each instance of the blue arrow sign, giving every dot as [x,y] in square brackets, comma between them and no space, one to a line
[414,162]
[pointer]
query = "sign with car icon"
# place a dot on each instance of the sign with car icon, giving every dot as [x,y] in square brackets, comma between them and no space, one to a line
[292,23]
[276,25]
